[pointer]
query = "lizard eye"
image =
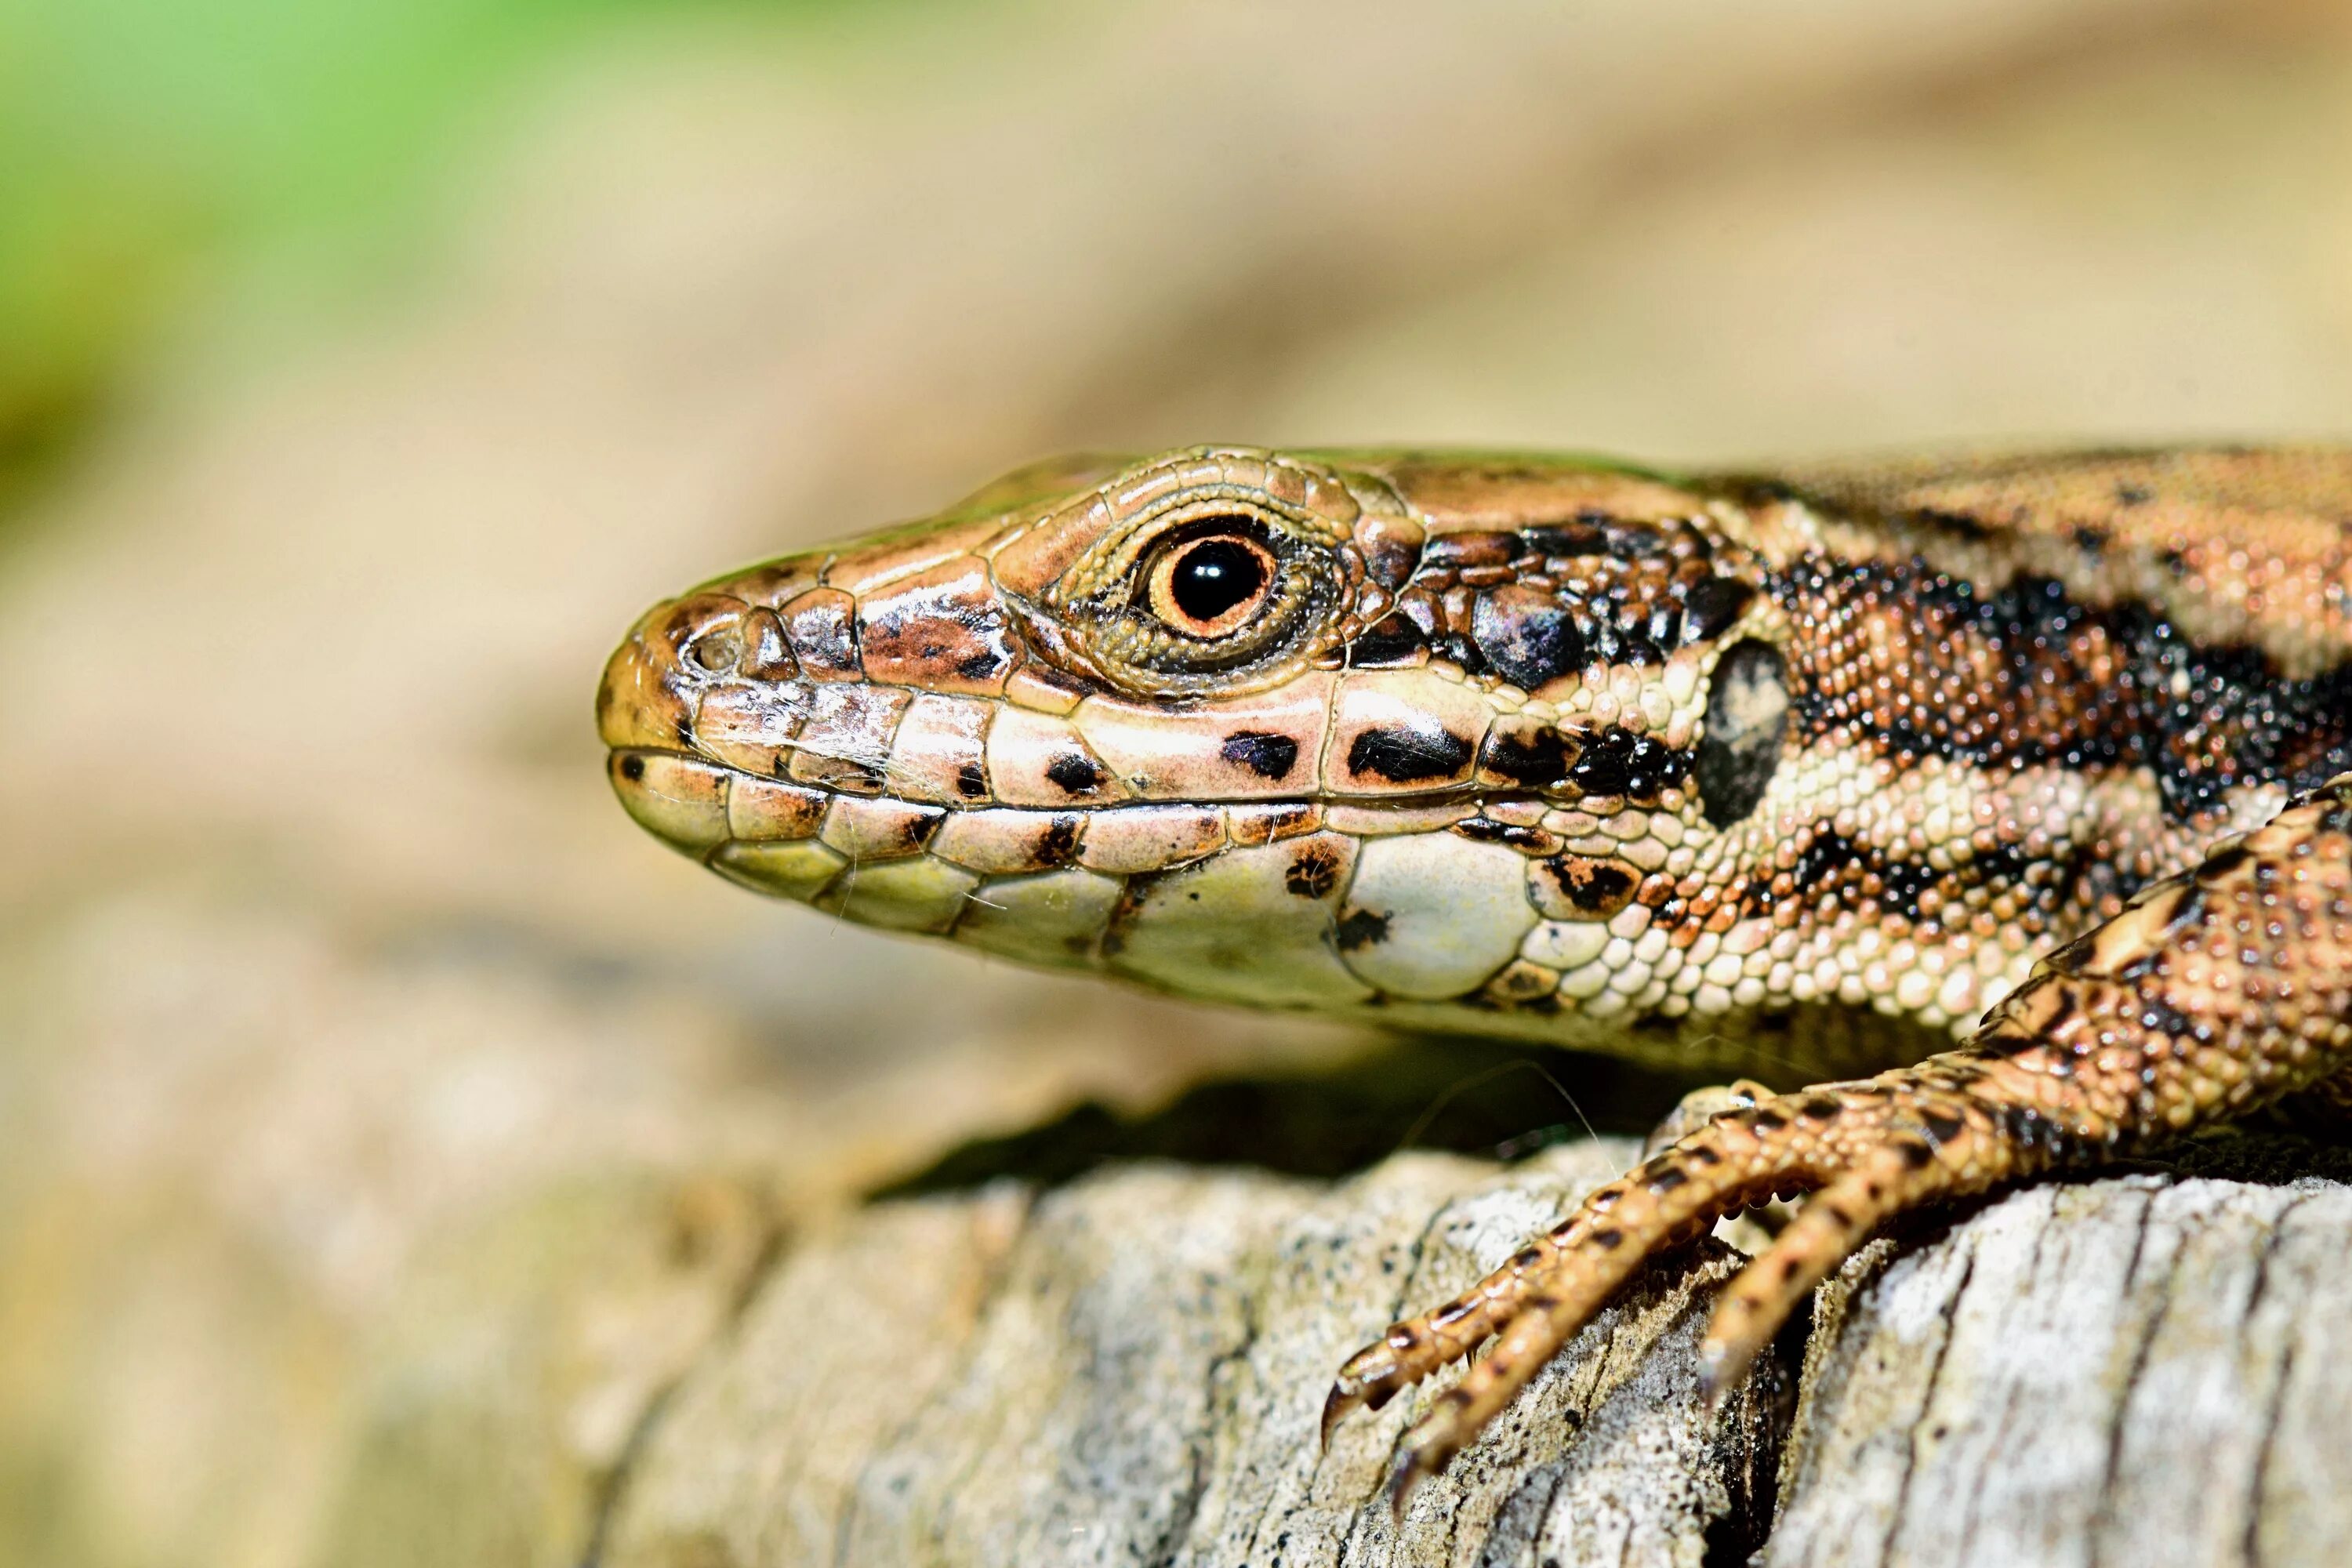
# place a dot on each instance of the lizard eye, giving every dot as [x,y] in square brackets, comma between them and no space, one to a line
[1217,574]
[1210,582]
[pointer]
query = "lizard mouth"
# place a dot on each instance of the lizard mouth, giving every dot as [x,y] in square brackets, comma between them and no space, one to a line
[839,791]
[1290,902]
[818,842]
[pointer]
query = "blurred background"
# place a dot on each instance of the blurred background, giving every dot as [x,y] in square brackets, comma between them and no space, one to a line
[382,1115]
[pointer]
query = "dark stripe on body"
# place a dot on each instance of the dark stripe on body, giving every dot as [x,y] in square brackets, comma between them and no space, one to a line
[1907,658]
[2076,879]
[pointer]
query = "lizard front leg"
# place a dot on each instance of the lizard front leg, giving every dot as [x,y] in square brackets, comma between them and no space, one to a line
[2214,993]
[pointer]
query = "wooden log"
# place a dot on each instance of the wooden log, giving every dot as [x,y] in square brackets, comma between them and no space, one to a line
[1129,1369]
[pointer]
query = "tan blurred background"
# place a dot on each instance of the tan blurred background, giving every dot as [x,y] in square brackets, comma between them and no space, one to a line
[366,1079]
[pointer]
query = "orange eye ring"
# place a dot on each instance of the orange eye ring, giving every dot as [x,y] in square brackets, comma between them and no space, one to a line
[1210,583]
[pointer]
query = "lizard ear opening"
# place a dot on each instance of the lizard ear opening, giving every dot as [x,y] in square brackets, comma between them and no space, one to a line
[1746,715]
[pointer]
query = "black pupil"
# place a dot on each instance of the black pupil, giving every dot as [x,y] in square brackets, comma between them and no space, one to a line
[1214,575]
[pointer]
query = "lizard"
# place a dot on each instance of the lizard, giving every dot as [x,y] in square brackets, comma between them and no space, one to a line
[1999,807]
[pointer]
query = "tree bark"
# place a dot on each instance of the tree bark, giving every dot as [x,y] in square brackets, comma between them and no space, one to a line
[1129,1369]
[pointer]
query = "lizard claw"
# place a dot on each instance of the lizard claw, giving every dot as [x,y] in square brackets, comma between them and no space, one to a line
[1860,1146]
[1343,1401]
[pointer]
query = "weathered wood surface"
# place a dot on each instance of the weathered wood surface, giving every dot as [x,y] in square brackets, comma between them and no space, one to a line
[2144,1370]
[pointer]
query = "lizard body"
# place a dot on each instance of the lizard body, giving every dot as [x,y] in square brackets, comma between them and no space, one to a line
[1805,774]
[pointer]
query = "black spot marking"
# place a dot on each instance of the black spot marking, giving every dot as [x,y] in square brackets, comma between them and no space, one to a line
[1901,883]
[1527,636]
[1709,609]
[1915,1154]
[1667,1180]
[1820,1108]
[2171,1022]
[971,782]
[1942,1127]
[1456,648]
[1539,759]
[1268,756]
[1616,761]
[1633,541]
[1456,550]
[1958,524]
[979,666]
[1394,641]
[2072,958]
[1059,842]
[1639,651]
[1314,873]
[1409,755]
[1360,929]
[1747,717]
[1600,885]
[1562,540]
[2131,495]
[1602,769]
[1074,775]
[632,768]
[2222,863]
[1608,1236]
[1650,766]
[1597,888]
[1486,830]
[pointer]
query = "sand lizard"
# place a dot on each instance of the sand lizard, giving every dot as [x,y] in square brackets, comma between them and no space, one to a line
[2021,781]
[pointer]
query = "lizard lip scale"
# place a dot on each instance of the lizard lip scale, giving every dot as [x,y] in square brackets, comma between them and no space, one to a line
[1800,776]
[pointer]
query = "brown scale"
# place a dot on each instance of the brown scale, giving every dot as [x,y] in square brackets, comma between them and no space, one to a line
[1922,670]
[1818,872]
[1535,604]
[2025,667]
[2233,544]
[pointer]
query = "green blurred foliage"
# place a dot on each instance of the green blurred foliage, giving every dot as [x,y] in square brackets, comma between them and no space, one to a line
[141,139]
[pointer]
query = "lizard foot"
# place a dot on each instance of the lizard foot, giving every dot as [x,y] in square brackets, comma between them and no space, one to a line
[2212,994]
[1867,1150]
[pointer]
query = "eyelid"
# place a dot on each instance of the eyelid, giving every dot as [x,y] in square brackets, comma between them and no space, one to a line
[1102,601]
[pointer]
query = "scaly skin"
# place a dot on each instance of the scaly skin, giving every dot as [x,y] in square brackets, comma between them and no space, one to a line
[1795,775]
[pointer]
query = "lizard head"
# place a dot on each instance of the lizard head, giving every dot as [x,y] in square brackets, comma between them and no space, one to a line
[1446,737]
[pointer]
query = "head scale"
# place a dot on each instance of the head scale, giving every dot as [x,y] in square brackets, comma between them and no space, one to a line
[1444,738]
